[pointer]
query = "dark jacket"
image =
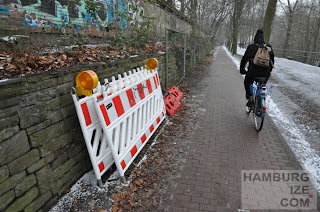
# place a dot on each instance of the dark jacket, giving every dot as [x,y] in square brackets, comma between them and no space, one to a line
[253,70]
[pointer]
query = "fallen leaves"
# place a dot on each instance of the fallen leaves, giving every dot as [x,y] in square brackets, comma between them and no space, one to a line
[156,173]
[13,65]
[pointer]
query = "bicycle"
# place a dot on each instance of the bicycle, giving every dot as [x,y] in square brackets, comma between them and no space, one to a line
[259,90]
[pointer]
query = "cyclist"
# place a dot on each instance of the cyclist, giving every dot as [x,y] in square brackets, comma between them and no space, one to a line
[254,70]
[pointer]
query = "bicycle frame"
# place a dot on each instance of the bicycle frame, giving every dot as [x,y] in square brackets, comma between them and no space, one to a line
[260,99]
[259,92]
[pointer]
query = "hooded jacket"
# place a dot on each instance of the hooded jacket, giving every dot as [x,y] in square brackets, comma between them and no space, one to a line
[253,70]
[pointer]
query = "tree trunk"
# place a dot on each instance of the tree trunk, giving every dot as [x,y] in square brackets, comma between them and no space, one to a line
[236,16]
[288,34]
[194,5]
[289,28]
[307,38]
[315,43]
[182,6]
[268,19]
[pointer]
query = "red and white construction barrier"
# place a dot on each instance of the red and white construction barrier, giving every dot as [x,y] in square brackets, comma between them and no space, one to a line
[95,139]
[130,116]
[119,119]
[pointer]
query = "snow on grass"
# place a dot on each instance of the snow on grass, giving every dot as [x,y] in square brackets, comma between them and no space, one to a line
[297,141]
[13,38]
[307,74]
[3,80]
[79,191]
[235,60]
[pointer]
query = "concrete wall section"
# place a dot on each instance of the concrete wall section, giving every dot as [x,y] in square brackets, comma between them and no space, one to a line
[166,20]
[48,16]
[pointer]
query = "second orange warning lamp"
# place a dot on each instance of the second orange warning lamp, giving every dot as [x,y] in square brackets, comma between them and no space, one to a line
[86,81]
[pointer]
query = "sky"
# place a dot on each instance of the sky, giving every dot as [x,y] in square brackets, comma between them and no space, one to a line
[296,88]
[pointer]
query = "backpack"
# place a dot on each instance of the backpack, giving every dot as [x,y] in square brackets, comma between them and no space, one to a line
[262,57]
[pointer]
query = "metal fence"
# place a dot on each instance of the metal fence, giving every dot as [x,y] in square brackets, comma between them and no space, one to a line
[312,58]
[183,52]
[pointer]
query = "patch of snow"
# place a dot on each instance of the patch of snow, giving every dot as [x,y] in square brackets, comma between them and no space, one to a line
[89,181]
[113,176]
[7,38]
[3,80]
[142,159]
[297,142]
[62,49]
[235,60]
[13,37]
[159,43]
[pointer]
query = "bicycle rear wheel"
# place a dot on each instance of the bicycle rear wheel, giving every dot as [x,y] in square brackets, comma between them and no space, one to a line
[257,114]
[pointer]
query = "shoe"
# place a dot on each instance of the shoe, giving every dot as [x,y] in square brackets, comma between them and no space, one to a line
[250,101]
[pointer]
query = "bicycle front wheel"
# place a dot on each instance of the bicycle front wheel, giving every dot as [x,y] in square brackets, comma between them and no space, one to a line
[258,117]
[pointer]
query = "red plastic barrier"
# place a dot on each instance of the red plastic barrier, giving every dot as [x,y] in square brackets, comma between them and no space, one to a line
[176,92]
[172,105]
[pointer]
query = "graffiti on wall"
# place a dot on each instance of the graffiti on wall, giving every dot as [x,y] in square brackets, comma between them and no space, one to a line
[66,13]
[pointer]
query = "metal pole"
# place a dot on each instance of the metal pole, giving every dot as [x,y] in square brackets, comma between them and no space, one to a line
[166,83]
[184,55]
[194,56]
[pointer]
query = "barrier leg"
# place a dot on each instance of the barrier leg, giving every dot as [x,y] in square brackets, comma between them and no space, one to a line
[100,184]
[123,180]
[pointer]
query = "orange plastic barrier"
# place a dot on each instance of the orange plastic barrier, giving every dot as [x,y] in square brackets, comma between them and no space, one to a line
[176,92]
[172,101]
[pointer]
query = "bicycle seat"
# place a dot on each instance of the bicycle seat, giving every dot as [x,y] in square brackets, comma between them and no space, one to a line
[262,80]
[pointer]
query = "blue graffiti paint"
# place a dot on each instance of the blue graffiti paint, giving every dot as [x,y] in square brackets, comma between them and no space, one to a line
[4,10]
[77,27]
[64,17]
[87,17]
[59,26]
[96,24]
[123,8]
[50,13]
[110,7]
[30,22]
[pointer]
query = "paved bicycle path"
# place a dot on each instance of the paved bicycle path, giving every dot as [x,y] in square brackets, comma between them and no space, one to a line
[224,143]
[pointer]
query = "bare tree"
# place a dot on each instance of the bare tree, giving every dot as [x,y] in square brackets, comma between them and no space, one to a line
[217,12]
[193,10]
[317,31]
[236,17]
[170,2]
[290,8]
[268,19]
[183,6]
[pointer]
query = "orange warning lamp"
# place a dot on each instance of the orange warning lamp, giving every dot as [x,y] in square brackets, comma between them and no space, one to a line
[151,64]
[86,81]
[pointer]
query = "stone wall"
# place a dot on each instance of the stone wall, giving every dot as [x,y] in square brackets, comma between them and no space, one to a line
[42,150]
